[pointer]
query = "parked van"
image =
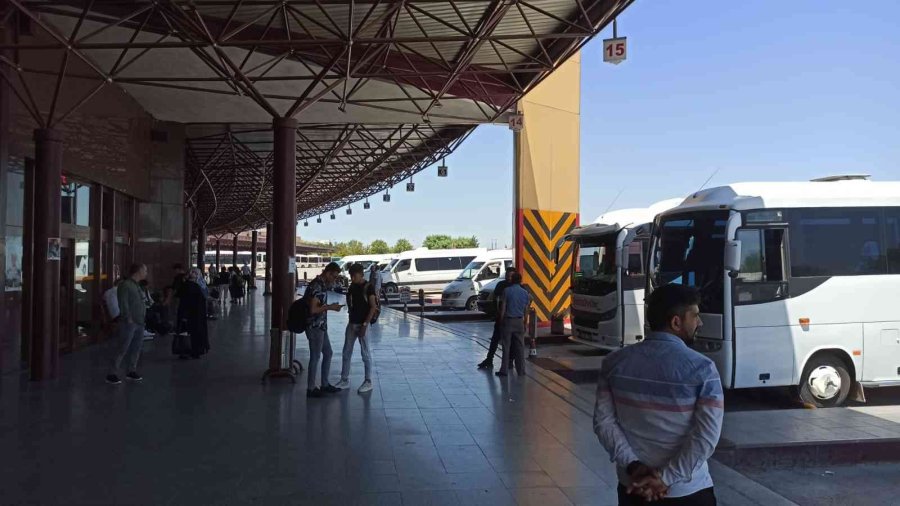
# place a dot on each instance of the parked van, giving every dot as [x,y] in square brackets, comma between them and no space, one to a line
[462,293]
[427,269]
[365,260]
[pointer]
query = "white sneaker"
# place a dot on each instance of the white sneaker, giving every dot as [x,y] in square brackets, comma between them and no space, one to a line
[343,384]
[365,387]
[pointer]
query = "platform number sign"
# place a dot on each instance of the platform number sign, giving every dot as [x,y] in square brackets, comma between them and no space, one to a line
[516,121]
[615,50]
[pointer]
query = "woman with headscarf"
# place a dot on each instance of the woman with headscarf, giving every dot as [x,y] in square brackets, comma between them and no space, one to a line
[192,313]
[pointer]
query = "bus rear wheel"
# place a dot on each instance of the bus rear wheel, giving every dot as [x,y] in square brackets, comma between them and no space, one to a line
[826,382]
[391,289]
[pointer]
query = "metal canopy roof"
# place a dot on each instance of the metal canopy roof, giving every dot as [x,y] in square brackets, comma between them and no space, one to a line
[359,76]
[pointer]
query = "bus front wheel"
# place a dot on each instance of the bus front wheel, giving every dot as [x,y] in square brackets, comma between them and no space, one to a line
[391,289]
[826,382]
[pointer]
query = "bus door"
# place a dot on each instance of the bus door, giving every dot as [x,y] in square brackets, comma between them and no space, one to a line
[763,341]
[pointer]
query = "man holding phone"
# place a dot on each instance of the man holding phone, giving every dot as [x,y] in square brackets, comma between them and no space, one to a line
[317,330]
[362,304]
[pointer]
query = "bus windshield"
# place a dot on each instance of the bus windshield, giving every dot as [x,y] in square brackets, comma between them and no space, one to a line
[689,249]
[471,270]
[390,265]
[595,269]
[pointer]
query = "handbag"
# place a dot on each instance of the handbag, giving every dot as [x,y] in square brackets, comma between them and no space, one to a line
[181,344]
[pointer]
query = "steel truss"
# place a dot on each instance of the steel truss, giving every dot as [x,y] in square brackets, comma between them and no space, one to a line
[397,57]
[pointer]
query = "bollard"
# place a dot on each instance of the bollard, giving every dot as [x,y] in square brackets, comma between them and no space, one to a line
[532,329]
[421,302]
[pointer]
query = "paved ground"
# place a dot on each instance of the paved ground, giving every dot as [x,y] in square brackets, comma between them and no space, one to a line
[859,485]
[434,431]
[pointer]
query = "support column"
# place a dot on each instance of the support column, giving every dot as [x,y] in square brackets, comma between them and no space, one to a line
[218,255]
[254,237]
[284,230]
[267,288]
[45,254]
[234,250]
[546,185]
[187,233]
[201,248]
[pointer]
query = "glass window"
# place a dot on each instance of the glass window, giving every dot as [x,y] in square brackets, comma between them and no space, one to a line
[491,271]
[595,270]
[471,270]
[403,265]
[836,242]
[690,250]
[428,264]
[762,277]
[82,205]
[67,203]
[892,238]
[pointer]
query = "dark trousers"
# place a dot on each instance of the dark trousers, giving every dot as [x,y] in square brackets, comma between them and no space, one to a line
[495,340]
[705,497]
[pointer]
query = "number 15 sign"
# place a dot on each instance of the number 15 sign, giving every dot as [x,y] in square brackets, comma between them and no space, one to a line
[615,50]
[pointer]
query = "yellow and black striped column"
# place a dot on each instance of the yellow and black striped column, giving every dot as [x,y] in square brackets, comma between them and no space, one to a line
[547,277]
[547,170]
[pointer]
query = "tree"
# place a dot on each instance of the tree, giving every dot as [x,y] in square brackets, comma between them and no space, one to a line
[379,247]
[402,245]
[465,242]
[438,241]
[355,247]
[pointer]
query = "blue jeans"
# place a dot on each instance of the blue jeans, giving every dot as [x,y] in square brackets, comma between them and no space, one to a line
[350,337]
[319,348]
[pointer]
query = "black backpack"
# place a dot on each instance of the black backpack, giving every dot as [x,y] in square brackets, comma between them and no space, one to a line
[298,313]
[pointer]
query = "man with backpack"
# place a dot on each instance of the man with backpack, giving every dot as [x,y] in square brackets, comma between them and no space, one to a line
[316,296]
[362,305]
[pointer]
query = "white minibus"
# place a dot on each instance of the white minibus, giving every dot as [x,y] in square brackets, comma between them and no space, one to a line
[462,292]
[800,282]
[608,275]
[427,269]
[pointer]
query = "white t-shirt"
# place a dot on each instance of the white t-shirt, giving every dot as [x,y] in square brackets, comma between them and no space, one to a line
[111,299]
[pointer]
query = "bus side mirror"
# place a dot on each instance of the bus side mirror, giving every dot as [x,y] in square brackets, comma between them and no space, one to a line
[733,258]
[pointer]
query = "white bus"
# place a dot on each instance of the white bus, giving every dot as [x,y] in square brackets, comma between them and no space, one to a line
[800,282]
[243,257]
[462,292]
[426,269]
[608,275]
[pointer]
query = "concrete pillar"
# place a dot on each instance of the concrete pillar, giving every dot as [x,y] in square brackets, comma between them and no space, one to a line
[201,248]
[284,228]
[254,238]
[546,186]
[267,288]
[45,254]
[218,255]
[234,250]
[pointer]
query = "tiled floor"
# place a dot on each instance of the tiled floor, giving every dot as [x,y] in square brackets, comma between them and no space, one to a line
[434,431]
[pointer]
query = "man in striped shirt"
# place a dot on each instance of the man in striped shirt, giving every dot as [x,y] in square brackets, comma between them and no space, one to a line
[659,407]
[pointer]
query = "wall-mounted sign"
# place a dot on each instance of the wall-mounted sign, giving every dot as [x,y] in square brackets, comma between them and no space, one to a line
[516,121]
[53,248]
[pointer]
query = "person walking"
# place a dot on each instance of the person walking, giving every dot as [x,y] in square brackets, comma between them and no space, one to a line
[132,311]
[245,273]
[192,314]
[362,304]
[660,406]
[488,362]
[513,307]
[317,330]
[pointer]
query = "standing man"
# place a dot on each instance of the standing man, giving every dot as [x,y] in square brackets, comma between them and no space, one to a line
[375,281]
[513,307]
[659,407]
[245,272]
[488,363]
[317,330]
[132,311]
[362,304]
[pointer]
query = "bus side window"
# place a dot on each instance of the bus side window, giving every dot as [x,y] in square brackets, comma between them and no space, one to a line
[762,277]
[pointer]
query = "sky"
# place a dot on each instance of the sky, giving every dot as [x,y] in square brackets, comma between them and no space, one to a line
[740,91]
